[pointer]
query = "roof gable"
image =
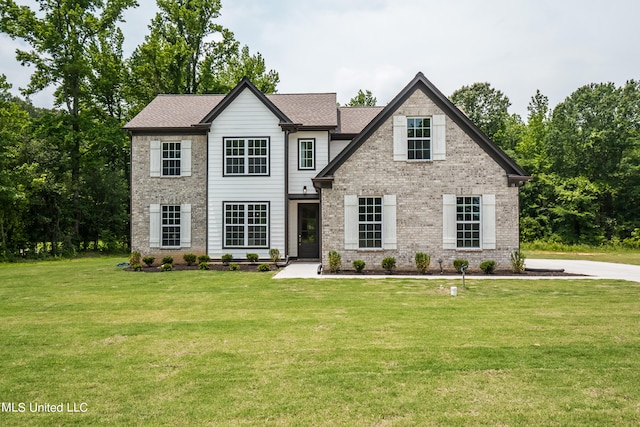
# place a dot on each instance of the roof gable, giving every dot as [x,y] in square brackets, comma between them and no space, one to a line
[245,83]
[420,82]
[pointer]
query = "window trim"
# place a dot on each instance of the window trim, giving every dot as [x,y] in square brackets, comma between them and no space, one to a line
[245,225]
[246,156]
[414,138]
[162,226]
[478,222]
[313,153]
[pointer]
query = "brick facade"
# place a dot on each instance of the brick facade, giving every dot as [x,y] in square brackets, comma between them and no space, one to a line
[419,188]
[147,190]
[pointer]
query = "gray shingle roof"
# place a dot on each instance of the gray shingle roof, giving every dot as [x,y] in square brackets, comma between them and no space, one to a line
[354,119]
[174,111]
[184,111]
[308,109]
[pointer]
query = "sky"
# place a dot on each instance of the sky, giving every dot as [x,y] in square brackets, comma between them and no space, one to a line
[341,46]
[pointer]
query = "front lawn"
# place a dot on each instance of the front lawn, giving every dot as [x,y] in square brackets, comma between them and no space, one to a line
[190,348]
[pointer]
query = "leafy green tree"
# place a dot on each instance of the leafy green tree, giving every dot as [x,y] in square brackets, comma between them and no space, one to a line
[488,109]
[14,121]
[363,99]
[186,51]
[63,36]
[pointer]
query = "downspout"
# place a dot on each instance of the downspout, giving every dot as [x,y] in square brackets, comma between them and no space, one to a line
[286,193]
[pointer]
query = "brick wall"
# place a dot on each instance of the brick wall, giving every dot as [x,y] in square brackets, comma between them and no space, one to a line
[419,186]
[147,190]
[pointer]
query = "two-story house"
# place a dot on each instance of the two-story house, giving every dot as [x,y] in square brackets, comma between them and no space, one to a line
[247,171]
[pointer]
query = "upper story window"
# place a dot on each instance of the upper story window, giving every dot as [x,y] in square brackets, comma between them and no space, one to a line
[246,156]
[306,153]
[418,138]
[468,222]
[171,158]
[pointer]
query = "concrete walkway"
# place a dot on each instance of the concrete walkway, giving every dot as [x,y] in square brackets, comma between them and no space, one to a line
[592,270]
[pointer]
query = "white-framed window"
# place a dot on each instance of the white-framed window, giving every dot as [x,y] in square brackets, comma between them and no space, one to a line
[369,222]
[246,156]
[170,226]
[468,222]
[170,158]
[246,225]
[307,153]
[418,138]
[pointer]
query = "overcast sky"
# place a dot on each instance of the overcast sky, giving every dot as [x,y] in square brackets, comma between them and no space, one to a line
[341,46]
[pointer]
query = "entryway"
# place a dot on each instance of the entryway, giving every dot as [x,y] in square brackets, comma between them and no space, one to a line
[309,230]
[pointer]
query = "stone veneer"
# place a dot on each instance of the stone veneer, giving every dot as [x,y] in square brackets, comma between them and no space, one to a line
[147,190]
[419,187]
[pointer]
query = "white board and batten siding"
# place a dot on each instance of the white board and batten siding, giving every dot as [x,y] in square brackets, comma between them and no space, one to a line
[245,117]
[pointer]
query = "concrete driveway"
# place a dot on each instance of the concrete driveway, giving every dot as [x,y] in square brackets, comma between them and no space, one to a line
[601,270]
[592,269]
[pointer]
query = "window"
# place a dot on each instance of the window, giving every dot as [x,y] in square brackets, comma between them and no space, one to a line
[246,225]
[468,222]
[306,154]
[370,222]
[246,156]
[170,159]
[171,225]
[418,138]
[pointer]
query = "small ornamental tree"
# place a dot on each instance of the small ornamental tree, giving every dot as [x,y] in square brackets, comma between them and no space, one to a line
[422,262]
[335,261]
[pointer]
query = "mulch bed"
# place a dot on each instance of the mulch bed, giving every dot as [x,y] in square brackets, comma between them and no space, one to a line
[451,272]
[213,266]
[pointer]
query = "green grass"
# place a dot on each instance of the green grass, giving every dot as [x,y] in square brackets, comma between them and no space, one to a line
[583,252]
[230,348]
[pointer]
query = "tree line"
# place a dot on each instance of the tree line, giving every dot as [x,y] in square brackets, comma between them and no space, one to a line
[64,172]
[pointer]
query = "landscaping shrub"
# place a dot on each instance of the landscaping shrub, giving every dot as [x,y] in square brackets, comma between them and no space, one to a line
[203,266]
[190,259]
[148,260]
[136,267]
[204,258]
[422,262]
[134,258]
[166,266]
[335,261]
[226,259]
[488,267]
[517,261]
[274,253]
[389,263]
[358,265]
[167,260]
[264,267]
[252,258]
[459,263]
[234,267]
